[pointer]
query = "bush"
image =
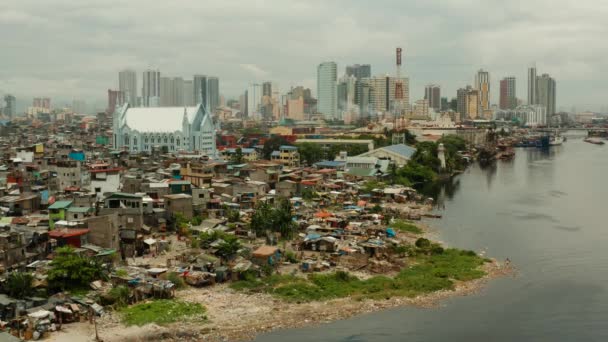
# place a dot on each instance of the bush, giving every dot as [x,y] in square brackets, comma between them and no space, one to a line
[423,243]
[120,295]
[176,279]
[290,256]
[19,284]
[72,271]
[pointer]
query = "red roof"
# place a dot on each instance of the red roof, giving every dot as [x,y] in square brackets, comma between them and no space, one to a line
[66,233]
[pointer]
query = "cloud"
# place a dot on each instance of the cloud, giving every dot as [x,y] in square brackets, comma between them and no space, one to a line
[71,49]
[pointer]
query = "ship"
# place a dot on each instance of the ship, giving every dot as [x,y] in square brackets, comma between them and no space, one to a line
[556,140]
[595,141]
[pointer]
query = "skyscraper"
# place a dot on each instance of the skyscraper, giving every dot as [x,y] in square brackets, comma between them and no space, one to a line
[508,97]
[532,88]
[468,103]
[267,89]
[213,91]
[189,93]
[482,84]
[545,96]
[10,108]
[359,70]
[254,99]
[432,93]
[79,107]
[151,88]
[327,75]
[115,98]
[127,85]
[200,90]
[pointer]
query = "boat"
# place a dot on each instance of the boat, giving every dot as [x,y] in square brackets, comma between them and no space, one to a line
[556,140]
[595,141]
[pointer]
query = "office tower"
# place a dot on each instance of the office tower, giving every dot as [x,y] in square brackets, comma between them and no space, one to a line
[79,107]
[115,98]
[545,96]
[326,90]
[432,93]
[10,107]
[382,92]
[213,91]
[359,71]
[166,85]
[532,87]
[508,96]
[254,98]
[482,84]
[151,88]
[41,102]
[127,85]
[267,89]
[200,90]
[445,104]
[468,103]
[189,93]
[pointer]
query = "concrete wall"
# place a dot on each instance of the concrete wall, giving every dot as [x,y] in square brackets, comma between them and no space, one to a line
[104,231]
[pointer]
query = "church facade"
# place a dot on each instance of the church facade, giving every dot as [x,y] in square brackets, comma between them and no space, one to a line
[143,129]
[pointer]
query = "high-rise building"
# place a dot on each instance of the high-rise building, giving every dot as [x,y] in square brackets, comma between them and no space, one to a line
[382,92]
[79,107]
[115,98]
[201,94]
[482,84]
[10,107]
[254,99]
[189,93]
[508,95]
[267,89]
[41,102]
[432,93]
[445,104]
[346,92]
[359,71]
[468,103]
[327,75]
[545,87]
[532,88]
[213,91]
[150,92]
[127,85]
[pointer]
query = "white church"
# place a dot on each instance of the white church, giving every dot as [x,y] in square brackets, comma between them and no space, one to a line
[140,129]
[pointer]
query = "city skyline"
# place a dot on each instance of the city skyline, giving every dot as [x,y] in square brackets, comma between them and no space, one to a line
[84,64]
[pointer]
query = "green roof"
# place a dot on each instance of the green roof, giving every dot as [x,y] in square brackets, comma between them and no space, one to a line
[80,209]
[60,205]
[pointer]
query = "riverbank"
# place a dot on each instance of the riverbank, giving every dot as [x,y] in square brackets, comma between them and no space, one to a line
[237,316]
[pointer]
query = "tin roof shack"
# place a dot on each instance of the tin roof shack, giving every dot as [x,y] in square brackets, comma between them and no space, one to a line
[19,205]
[179,203]
[72,237]
[315,242]
[104,231]
[266,255]
[12,250]
[129,208]
[79,213]
[57,212]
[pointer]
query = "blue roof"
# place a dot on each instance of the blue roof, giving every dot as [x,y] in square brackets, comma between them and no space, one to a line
[401,149]
[275,153]
[287,147]
[330,163]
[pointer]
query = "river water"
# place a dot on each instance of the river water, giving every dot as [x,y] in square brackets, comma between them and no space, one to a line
[543,210]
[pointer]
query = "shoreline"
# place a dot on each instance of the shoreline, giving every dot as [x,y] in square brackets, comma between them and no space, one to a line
[260,313]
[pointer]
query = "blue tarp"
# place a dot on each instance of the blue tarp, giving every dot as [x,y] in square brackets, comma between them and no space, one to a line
[312,237]
[390,232]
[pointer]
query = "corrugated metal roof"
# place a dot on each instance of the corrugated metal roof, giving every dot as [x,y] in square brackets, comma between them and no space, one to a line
[60,205]
[159,119]
[401,149]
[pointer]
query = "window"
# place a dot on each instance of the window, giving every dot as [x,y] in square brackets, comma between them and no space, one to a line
[129,220]
[75,216]
[201,195]
[97,189]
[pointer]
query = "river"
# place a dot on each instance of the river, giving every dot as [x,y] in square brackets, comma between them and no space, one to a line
[543,210]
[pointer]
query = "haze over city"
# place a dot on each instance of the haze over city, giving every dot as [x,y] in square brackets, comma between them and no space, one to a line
[73,51]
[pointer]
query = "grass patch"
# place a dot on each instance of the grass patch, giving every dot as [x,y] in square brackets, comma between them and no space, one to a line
[404,226]
[162,311]
[431,273]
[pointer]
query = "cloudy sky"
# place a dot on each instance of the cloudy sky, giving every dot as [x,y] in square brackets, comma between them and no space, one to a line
[73,49]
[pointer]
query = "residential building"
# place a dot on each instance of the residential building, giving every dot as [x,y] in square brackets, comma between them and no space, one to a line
[213,86]
[527,115]
[267,89]
[359,71]
[10,107]
[127,85]
[172,92]
[468,104]
[508,95]
[115,98]
[421,109]
[532,87]
[482,84]
[545,87]
[169,128]
[382,93]
[151,88]
[189,93]
[42,102]
[326,90]
[254,99]
[432,93]
[287,155]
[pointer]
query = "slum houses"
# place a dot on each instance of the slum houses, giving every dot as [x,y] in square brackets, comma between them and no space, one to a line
[139,214]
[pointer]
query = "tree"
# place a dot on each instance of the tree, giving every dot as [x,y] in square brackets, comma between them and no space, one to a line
[19,284]
[261,219]
[273,144]
[282,219]
[229,247]
[426,155]
[70,270]
[310,153]
[237,157]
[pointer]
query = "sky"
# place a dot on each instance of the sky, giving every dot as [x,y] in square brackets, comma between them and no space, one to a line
[74,49]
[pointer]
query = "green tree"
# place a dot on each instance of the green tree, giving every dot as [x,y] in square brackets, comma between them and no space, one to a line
[273,144]
[426,155]
[19,284]
[237,157]
[310,153]
[261,219]
[71,271]
[229,246]
[282,219]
